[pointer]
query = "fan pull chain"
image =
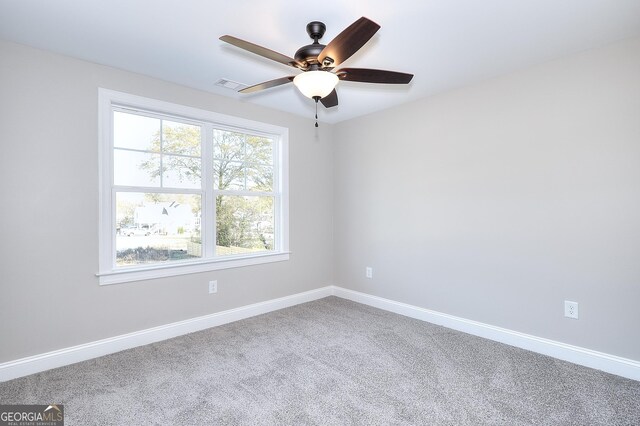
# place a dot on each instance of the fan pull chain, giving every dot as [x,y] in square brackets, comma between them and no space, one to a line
[316,113]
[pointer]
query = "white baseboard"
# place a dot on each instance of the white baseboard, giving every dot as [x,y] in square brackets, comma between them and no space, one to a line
[601,361]
[35,364]
[577,355]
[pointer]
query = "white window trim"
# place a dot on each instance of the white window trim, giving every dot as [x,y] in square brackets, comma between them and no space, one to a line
[108,273]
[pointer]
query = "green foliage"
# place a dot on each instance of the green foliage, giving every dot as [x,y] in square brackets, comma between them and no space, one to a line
[245,222]
[243,163]
[136,256]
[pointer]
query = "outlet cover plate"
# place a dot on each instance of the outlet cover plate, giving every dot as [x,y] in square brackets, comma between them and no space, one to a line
[571,309]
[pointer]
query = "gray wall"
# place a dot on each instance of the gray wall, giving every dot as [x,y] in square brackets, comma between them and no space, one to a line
[49,296]
[498,201]
[494,202]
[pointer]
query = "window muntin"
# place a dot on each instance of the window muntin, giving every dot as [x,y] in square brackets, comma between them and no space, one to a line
[187,187]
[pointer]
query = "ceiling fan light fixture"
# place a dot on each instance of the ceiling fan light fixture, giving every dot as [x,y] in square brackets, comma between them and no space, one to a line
[318,78]
[314,84]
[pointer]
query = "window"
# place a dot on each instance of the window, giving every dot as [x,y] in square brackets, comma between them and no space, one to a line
[185,190]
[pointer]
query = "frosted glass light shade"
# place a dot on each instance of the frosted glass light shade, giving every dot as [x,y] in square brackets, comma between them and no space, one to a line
[315,83]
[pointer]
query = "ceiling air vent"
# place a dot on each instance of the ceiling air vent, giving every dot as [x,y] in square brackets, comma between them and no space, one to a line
[230,84]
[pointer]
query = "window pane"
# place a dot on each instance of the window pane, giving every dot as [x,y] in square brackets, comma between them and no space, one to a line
[228,145]
[259,150]
[132,168]
[181,172]
[180,138]
[156,228]
[259,178]
[244,224]
[136,132]
[228,175]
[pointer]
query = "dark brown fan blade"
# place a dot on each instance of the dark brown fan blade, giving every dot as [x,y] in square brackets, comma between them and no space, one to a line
[330,100]
[267,84]
[262,51]
[348,42]
[366,75]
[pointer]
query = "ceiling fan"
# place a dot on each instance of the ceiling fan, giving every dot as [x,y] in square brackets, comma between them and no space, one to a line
[318,61]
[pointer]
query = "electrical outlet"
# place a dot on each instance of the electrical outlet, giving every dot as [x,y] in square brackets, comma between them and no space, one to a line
[571,309]
[213,287]
[368,272]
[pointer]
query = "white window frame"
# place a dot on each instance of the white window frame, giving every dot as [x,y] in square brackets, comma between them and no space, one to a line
[109,273]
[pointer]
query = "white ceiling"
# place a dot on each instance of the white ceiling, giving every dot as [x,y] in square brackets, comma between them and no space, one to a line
[445,43]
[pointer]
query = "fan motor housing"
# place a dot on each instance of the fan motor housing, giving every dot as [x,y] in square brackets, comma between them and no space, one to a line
[309,53]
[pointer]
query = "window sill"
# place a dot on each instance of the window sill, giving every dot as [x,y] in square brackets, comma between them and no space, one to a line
[174,269]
